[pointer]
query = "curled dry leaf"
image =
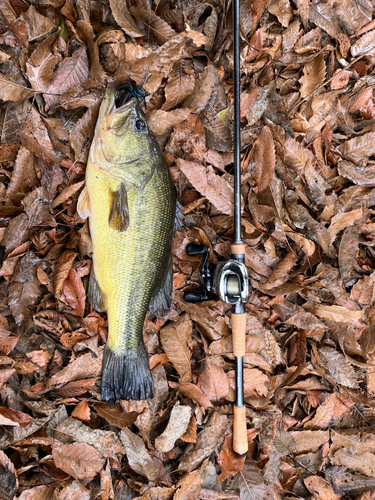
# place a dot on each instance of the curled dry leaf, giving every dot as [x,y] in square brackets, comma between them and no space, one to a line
[230,462]
[193,392]
[177,425]
[116,416]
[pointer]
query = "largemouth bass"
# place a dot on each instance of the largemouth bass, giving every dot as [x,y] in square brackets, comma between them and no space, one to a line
[130,200]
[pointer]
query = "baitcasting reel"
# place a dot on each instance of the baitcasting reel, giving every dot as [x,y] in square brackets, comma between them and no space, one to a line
[229,280]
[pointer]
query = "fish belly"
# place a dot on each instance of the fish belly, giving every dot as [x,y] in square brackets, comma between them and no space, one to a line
[129,264]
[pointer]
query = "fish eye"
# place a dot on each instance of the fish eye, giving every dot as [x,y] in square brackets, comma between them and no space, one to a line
[140,125]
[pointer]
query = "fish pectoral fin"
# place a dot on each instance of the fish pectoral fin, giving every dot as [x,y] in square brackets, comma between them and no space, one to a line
[96,296]
[161,299]
[179,218]
[119,214]
[83,205]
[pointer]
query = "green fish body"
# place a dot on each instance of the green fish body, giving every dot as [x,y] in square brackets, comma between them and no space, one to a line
[130,199]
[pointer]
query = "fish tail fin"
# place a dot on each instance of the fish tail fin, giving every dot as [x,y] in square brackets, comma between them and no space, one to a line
[126,376]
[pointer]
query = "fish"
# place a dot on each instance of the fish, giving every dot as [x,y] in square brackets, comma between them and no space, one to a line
[129,199]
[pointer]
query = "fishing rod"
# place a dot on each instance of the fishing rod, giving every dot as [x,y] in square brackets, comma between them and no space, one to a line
[230,280]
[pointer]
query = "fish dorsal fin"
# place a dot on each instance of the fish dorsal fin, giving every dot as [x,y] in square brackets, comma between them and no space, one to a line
[83,205]
[119,214]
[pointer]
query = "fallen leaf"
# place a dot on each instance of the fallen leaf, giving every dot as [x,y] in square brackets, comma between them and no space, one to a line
[82,411]
[85,366]
[282,10]
[115,416]
[176,341]
[365,463]
[207,440]
[8,477]
[177,425]
[339,368]
[320,488]
[216,189]
[79,460]
[190,485]
[256,383]
[230,462]
[124,19]
[161,121]
[355,149]
[71,71]
[264,158]
[137,455]
[213,381]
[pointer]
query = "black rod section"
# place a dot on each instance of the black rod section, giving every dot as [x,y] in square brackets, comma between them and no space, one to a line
[237,130]
[239,381]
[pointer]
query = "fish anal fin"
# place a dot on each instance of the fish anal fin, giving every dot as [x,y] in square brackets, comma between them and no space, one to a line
[161,298]
[119,214]
[179,218]
[96,296]
[83,205]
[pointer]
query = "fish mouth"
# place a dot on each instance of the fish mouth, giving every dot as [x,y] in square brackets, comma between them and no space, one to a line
[124,110]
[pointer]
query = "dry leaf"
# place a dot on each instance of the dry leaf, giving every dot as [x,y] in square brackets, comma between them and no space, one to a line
[213,381]
[115,416]
[79,460]
[339,368]
[207,440]
[71,71]
[313,75]
[138,457]
[176,341]
[177,425]
[216,189]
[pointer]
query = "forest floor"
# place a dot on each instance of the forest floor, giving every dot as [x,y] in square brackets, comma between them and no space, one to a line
[308,190]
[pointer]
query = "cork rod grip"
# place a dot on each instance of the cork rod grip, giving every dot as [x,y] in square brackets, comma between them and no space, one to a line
[239,334]
[240,445]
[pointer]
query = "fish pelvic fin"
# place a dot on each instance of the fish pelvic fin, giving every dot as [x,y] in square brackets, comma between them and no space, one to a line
[119,216]
[126,376]
[179,218]
[83,205]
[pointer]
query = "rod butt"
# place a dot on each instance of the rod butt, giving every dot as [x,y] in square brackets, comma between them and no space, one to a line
[240,445]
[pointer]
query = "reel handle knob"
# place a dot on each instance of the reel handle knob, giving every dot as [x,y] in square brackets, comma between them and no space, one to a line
[193,249]
[195,296]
